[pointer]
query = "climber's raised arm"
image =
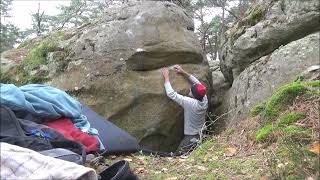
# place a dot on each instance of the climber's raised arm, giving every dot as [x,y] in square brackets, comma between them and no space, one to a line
[191,78]
[172,94]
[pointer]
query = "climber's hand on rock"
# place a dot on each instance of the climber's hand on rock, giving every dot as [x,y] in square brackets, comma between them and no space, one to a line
[165,73]
[178,68]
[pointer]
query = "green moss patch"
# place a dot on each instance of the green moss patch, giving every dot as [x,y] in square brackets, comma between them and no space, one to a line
[315,83]
[290,130]
[38,50]
[282,124]
[263,133]
[257,109]
[290,118]
[38,55]
[281,99]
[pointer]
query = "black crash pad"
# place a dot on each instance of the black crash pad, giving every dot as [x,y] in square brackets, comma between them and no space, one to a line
[114,139]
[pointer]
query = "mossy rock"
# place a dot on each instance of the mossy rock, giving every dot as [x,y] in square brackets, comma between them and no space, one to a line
[37,56]
[284,97]
[281,99]
[282,125]
[254,14]
[39,50]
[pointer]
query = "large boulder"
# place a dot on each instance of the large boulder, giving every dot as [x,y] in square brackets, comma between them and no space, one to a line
[113,65]
[258,81]
[220,86]
[145,36]
[268,25]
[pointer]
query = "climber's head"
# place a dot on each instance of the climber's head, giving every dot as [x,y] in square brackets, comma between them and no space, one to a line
[198,91]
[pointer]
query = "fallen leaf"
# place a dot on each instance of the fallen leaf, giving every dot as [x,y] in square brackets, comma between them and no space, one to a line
[242,132]
[181,160]
[264,178]
[315,148]
[140,170]
[214,158]
[184,157]
[113,157]
[205,160]
[230,151]
[164,169]
[172,178]
[141,162]
[310,178]
[202,169]
[127,159]
[280,165]
[301,124]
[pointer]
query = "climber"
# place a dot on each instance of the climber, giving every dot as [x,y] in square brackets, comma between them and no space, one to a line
[195,108]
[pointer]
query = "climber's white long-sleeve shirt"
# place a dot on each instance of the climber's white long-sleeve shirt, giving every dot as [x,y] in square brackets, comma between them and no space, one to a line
[194,110]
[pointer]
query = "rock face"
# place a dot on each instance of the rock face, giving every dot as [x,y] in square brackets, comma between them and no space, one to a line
[114,68]
[268,25]
[146,36]
[275,42]
[220,86]
[258,81]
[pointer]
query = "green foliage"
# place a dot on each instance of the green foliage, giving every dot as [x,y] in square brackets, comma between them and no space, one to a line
[230,131]
[38,55]
[290,118]
[5,78]
[315,83]
[281,125]
[263,133]
[5,7]
[215,24]
[290,130]
[25,44]
[24,77]
[281,99]
[257,109]
[202,149]
[9,36]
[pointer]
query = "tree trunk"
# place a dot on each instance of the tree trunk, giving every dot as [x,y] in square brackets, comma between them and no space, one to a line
[212,50]
[223,20]
[215,46]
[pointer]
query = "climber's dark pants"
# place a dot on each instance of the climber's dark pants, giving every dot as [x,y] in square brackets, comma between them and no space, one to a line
[188,143]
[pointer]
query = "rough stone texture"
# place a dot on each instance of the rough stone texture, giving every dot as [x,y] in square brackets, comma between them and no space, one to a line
[219,88]
[311,74]
[281,22]
[146,36]
[258,82]
[56,62]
